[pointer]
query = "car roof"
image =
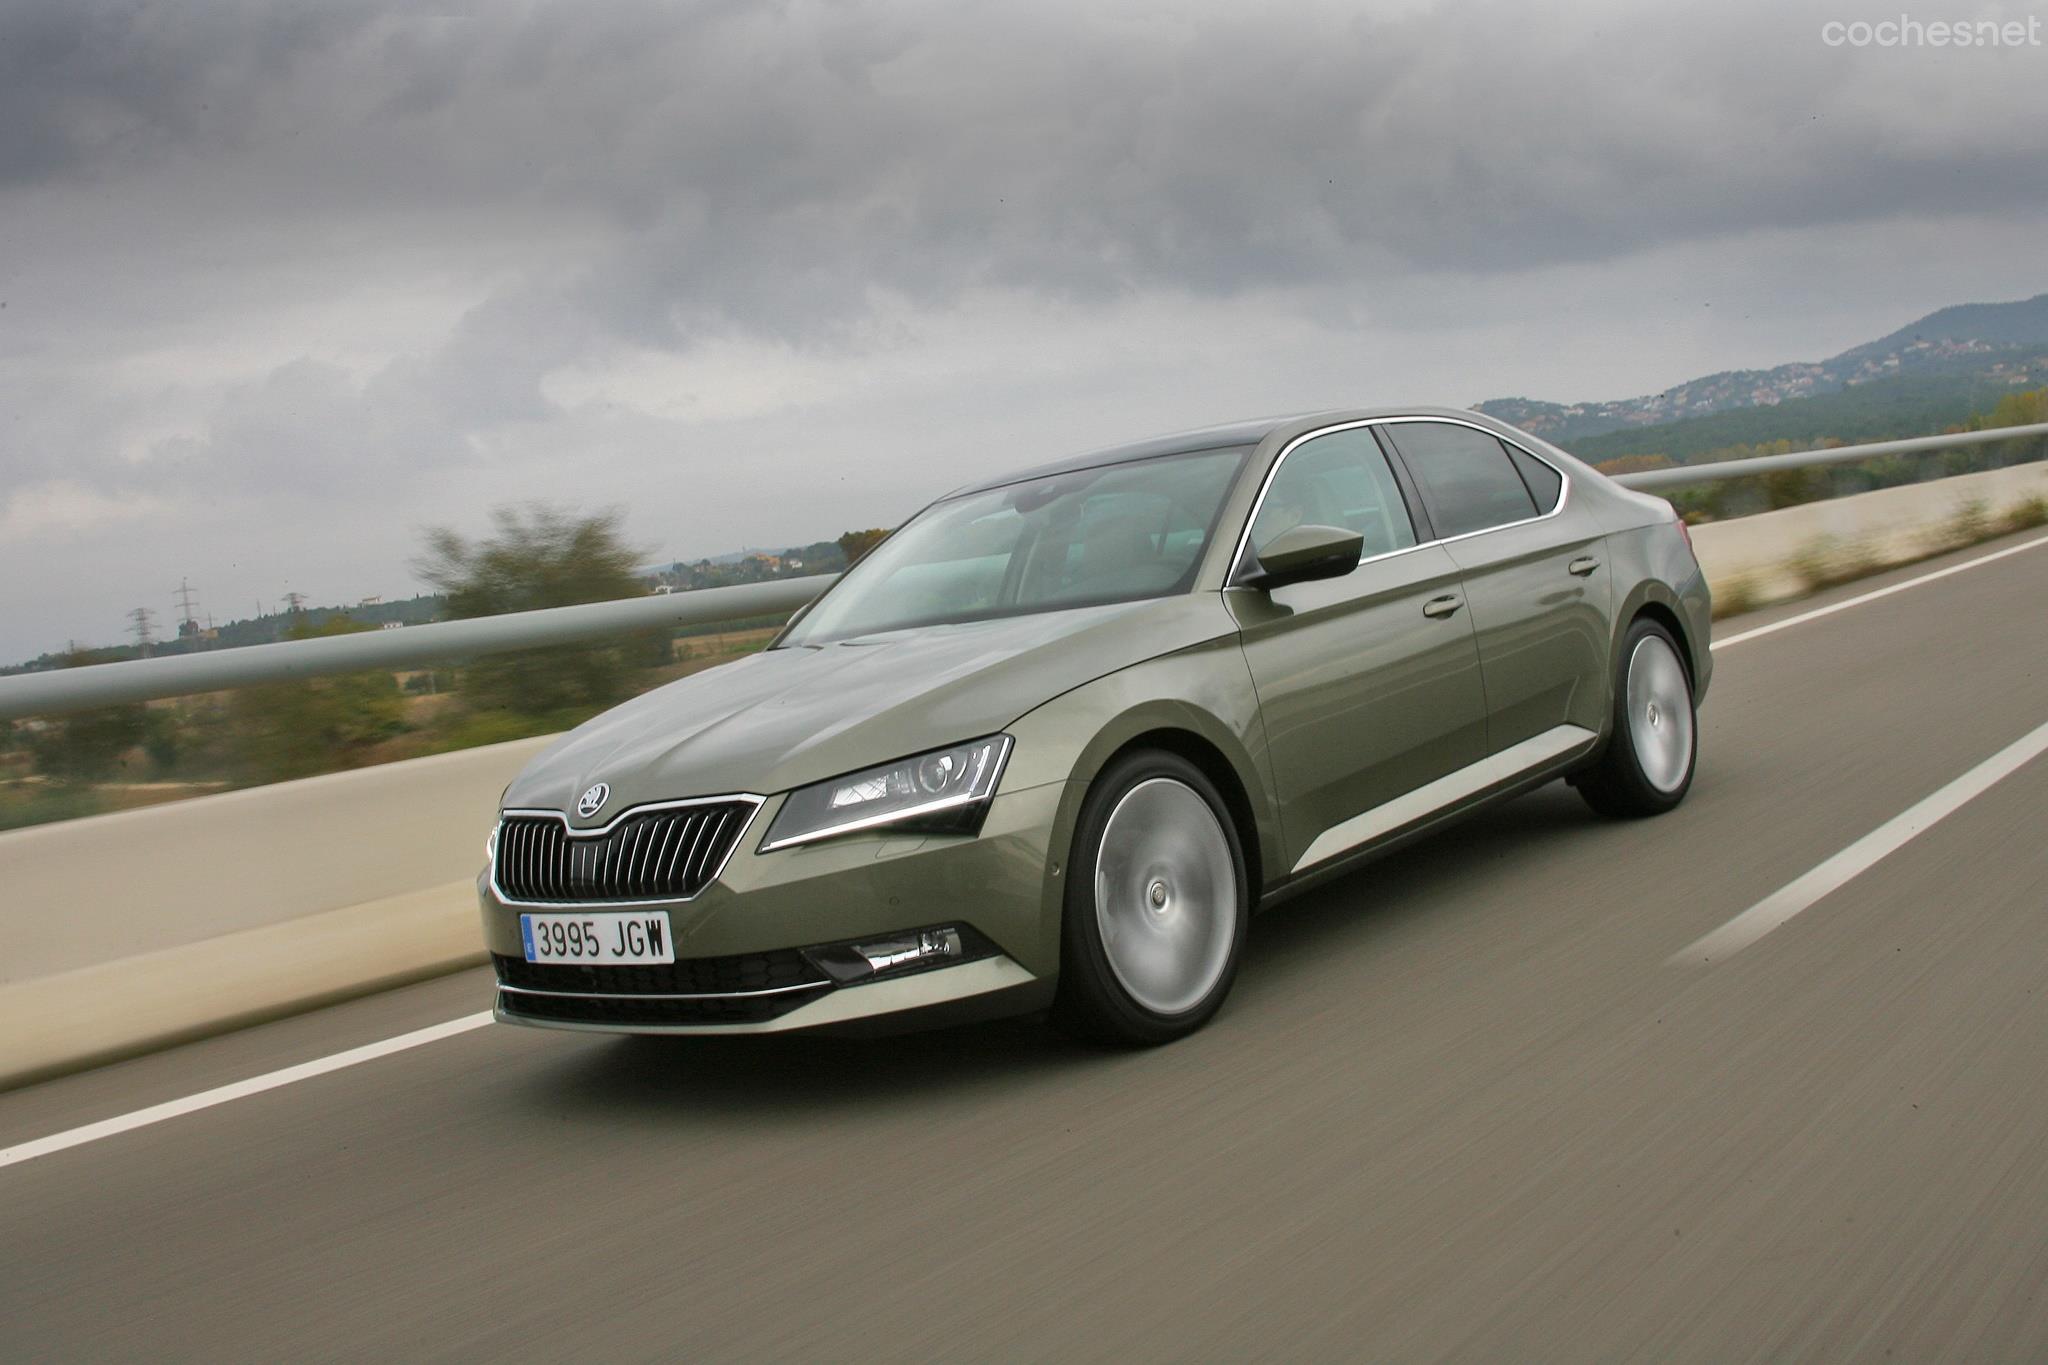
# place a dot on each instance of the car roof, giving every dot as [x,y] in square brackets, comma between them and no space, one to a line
[1245,433]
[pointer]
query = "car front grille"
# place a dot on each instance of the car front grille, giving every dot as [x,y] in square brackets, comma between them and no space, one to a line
[659,855]
[744,988]
[739,974]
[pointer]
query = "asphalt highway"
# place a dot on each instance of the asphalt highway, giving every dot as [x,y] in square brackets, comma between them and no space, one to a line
[1476,1102]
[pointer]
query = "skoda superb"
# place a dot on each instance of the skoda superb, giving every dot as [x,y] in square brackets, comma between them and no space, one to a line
[1055,740]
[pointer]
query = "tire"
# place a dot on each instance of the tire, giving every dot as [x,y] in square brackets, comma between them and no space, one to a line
[1157,903]
[1647,766]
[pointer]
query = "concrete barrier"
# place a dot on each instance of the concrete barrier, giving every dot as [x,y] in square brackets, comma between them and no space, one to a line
[109,1010]
[1759,555]
[131,931]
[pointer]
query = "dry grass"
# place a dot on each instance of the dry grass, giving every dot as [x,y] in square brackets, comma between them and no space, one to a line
[1738,595]
[1825,562]
[2026,514]
[1968,524]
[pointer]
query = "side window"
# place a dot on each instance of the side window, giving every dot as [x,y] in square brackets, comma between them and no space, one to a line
[1468,481]
[1339,480]
[1545,483]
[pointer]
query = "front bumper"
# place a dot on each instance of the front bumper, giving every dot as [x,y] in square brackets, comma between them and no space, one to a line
[989,987]
[741,942]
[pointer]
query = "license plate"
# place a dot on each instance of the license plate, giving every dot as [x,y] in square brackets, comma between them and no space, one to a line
[598,938]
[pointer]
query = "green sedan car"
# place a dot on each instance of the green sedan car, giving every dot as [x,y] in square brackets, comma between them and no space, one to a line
[1052,743]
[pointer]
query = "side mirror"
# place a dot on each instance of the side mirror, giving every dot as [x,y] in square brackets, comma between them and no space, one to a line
[1303,554]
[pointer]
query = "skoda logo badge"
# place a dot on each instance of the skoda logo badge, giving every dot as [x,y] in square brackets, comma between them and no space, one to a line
[592,801]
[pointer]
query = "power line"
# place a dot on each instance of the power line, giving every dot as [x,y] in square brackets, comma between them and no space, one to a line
[188,621]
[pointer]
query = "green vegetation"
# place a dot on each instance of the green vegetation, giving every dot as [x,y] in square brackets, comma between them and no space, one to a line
[534,557]
[1736,596]
[285,730]
[1825,561]
[1790,488]
[23,804]
[854,544]
[1970,524]
[541,557]
[67,757]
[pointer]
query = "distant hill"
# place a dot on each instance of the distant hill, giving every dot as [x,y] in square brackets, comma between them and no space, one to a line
[2024,323]
[1881,410]
[1956,355]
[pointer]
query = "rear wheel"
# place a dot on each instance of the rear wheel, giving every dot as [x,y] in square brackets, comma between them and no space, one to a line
[1647,766]
[1156,904]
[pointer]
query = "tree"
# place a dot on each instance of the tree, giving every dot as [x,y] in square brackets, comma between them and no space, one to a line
[2017,410]
[91,745]
[539,556]
[854,544]
[286,730]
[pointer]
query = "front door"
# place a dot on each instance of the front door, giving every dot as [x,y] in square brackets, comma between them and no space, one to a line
[1369,684]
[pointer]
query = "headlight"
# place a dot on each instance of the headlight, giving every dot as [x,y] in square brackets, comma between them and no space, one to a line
[945,791]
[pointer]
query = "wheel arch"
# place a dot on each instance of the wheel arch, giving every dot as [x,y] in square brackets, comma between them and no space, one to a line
[1664,616]
[1654,600]
[1212,763]
[1194,704]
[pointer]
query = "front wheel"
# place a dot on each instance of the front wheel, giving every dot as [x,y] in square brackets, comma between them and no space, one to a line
[1156,904]
[1647,767]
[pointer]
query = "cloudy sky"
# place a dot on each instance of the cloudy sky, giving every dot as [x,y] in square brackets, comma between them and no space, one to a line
[282,284]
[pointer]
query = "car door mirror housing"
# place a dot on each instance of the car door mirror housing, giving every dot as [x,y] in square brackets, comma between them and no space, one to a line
[1302,554]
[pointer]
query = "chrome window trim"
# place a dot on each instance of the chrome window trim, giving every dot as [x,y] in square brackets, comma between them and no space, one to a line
[649,995]
[749,799]
[1564,493]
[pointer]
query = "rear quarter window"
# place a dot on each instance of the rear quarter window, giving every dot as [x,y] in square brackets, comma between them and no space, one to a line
[1546,485]
[1468,481]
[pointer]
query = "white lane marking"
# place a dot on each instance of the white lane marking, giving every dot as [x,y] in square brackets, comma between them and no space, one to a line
[255,1085]
[1859,857]
[92,1132]
[1861,598]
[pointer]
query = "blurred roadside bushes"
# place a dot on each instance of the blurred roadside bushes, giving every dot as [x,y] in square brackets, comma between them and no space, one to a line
[279,731]
[538,557]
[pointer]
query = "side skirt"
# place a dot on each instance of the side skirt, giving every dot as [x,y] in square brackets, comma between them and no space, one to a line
[1513,770]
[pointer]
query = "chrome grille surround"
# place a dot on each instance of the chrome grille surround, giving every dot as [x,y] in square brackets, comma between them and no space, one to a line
[653,854]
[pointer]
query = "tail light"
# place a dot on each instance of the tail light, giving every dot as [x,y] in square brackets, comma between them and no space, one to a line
[1684,531]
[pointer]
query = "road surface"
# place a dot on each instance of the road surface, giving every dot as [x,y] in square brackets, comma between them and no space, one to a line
[1475,1102]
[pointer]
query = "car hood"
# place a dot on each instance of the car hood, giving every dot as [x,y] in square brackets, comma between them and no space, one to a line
[780,719]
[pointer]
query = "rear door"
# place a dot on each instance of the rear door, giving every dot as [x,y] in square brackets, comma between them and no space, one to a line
[1535,576]
[1368,684]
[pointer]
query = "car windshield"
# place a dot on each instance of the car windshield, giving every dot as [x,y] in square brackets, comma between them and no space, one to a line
[1115,533]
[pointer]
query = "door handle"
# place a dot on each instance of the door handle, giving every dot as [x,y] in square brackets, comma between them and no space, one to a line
[1582,566]
[1439,607]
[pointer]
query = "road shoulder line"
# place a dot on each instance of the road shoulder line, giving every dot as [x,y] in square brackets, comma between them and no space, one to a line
[1888,838]
[255,1085]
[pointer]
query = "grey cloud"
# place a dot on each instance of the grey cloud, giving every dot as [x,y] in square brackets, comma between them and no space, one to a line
[762,165]
[589,176]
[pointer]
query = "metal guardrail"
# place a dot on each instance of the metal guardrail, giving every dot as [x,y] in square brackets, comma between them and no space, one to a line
[64,690]
[1688,476]
[61,691]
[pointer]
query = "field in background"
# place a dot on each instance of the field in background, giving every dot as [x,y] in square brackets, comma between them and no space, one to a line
[187,747]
